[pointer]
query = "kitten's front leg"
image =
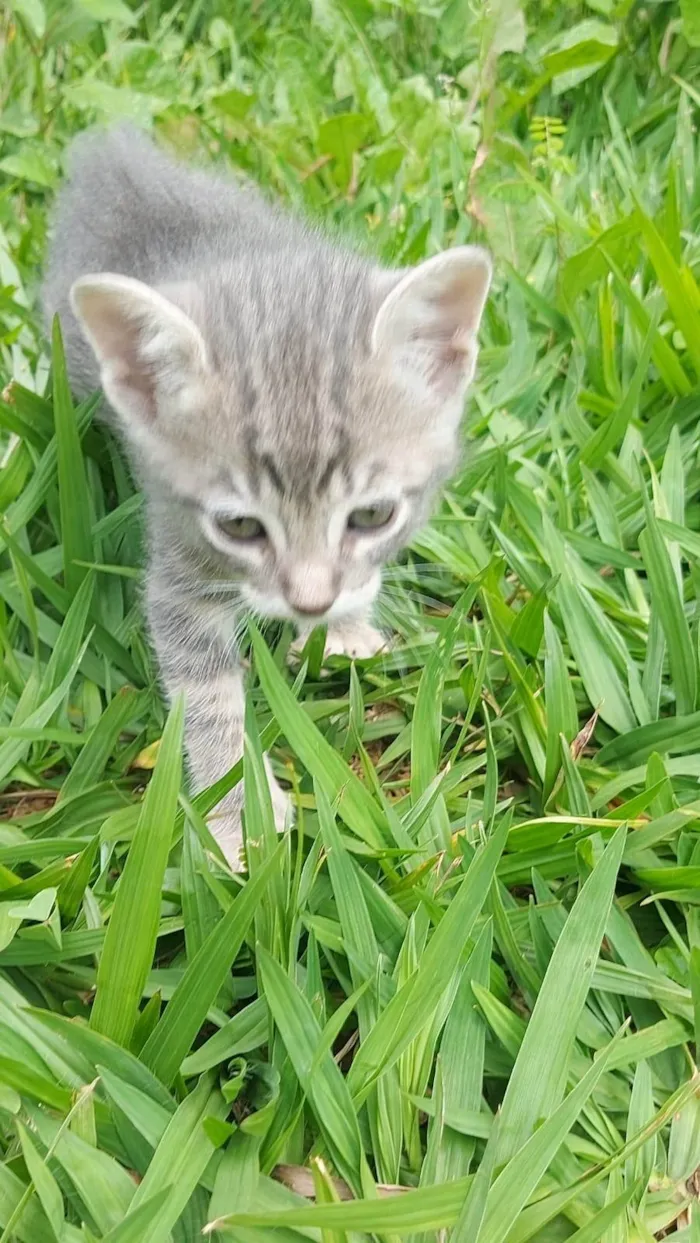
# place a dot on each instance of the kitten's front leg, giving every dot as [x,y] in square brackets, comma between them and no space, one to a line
[193,658]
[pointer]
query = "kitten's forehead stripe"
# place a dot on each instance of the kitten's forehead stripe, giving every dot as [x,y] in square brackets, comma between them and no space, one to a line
[340,385]
[273,474]
[304,470]
[332,467]
[249,436]
[248,393]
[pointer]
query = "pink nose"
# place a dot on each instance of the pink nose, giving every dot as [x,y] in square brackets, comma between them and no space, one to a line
[310,589]
[312,610]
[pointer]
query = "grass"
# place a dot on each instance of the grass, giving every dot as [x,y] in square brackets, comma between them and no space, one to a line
[472,971]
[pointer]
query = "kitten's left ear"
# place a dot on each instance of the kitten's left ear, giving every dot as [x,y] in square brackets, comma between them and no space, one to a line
[430,319]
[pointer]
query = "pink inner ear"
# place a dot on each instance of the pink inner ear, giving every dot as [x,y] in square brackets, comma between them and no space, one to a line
[456,304]
[431,317]
[444,348]
[443,333]
[120,336]
[136,378]
[147,347]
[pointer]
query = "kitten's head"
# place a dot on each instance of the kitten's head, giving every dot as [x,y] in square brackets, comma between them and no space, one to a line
[292,418]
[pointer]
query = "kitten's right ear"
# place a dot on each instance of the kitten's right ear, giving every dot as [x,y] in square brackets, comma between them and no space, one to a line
[150,352]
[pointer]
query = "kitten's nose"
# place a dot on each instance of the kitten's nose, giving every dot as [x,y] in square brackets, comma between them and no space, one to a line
[315,610]
[310,589]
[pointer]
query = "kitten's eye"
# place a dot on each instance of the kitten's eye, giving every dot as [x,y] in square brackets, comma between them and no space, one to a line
[371,517]
[245,530]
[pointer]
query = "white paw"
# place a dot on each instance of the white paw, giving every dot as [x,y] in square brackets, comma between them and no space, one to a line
[358,640]
[226,828]
[282,806]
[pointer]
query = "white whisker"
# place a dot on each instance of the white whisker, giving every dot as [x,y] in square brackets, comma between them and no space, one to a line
[414,571]
[218,589]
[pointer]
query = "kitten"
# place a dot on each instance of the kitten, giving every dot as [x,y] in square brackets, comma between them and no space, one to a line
[289,407]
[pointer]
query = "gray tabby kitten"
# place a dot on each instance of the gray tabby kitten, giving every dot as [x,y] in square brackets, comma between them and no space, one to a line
[290,410]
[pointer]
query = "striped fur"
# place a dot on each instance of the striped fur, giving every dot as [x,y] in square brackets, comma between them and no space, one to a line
[254,369]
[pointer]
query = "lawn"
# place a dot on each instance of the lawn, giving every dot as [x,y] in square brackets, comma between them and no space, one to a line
[464,991]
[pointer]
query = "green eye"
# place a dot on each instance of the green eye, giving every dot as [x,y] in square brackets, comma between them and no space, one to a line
[244,530]
[371,517]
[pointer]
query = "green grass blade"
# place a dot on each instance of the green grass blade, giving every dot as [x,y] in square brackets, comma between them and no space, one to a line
[594,1230]
[671,280]
[180,1159]
[44,1182]
[199,987]
[89,767]
[429,1208]
[463,1077]
[562,717]
[667,601]
[133,927]
[355,805]
[318,1075]
[539,1075]
[134,1227]
[413,1006]
[518,1180]
[76,515]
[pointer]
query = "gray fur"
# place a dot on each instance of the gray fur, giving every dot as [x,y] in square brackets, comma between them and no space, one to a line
[294,382]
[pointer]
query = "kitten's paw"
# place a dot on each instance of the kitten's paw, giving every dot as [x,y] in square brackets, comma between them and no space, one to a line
[358,640]
[282,806]
[226,826]
[227,829]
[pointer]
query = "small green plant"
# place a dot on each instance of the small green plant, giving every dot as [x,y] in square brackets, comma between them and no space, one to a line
[547,134]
